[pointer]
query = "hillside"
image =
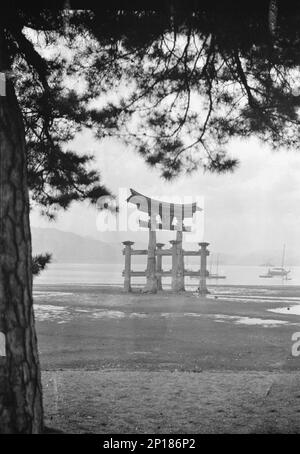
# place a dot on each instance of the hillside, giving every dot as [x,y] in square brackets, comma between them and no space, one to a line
[67,247]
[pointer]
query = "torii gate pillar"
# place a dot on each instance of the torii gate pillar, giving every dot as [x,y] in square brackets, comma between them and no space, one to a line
[180,262]
[159,265]
[204,253]
[151,283]
[177,264]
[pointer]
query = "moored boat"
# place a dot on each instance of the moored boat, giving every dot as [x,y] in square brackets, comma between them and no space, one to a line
[215,275]
[278,271]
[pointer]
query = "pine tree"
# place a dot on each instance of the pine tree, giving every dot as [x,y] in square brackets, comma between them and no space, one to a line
[177,81]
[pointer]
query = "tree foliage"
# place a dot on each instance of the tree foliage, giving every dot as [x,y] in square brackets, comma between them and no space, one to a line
[39,263]
[177,82]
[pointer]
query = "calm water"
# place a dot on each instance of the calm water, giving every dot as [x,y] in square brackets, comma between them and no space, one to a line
[61,273]
[96,274]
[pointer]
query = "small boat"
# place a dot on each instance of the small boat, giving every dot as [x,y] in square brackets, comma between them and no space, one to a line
[266,276]
[215,275]
[279,271]
[209,274]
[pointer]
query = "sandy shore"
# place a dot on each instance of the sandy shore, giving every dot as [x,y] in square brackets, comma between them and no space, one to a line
[163,363]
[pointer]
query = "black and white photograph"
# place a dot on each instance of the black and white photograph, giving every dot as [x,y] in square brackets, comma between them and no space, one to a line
[149,220]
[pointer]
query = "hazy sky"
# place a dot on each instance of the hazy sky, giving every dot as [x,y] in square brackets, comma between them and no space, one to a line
[255,208]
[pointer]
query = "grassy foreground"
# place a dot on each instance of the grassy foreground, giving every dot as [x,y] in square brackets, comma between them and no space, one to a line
[116,363]
[172,402]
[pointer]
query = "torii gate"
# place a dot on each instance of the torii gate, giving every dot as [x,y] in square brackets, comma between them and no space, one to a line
[166,216]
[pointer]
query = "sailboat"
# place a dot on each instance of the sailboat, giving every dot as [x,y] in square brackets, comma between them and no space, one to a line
[279,271]
[215,275]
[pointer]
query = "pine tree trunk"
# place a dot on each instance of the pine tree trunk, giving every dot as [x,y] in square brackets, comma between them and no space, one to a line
[20,382]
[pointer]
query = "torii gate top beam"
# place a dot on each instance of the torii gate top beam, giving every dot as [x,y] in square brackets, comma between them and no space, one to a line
[167,211]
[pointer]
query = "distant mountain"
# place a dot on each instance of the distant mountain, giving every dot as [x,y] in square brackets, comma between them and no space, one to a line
[256,258]
[67,247]
[273,257]
[262,258]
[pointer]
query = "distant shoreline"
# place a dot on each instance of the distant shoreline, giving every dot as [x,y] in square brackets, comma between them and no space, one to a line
[167,289]
[111,274]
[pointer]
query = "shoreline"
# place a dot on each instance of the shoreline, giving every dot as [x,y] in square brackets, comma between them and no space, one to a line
[90,326]
[138,287]
[167,363]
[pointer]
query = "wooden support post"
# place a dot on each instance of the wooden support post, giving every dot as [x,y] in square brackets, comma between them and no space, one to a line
[127,270]
[159,265]
[203,254]
[151,283]
[174,265]
[180,262]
